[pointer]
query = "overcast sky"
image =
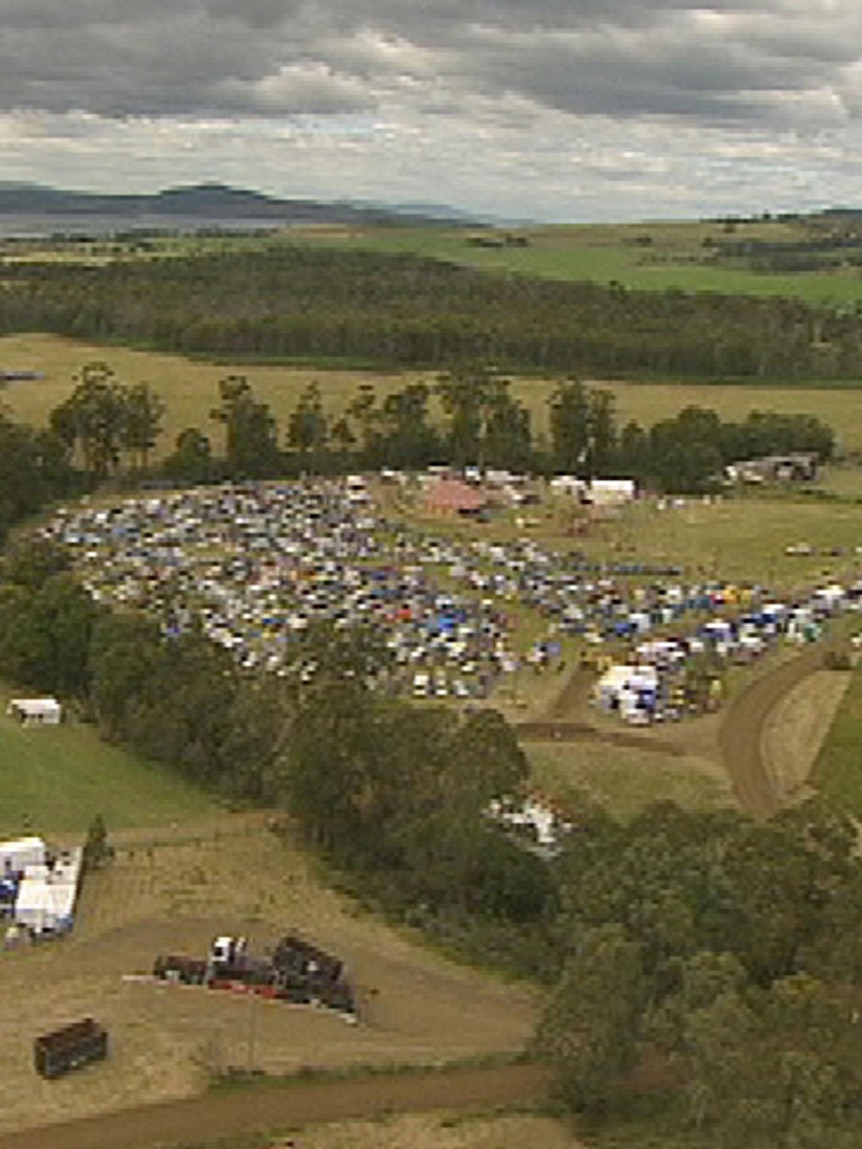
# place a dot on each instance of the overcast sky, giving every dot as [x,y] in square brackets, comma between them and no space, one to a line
[562,110]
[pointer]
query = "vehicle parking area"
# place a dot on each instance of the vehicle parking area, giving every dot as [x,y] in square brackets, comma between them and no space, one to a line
[176,894]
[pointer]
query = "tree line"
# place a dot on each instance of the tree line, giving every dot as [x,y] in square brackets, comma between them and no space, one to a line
[468,416]
[292,301]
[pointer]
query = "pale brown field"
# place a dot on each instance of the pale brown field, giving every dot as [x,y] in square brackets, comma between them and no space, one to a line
[797,728]
[190,389]
[231,876]
[419,1131]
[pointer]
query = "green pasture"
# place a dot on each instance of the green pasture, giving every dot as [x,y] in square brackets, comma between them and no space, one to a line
[646,257]
[650,256]
[54,780]
[625,779]
[189,388]
[742,540]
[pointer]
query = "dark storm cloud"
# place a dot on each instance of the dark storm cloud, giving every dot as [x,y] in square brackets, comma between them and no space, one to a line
[728,61]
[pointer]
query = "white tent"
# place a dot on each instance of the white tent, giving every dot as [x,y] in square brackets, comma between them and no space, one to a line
[43,906]
[35,711]
[612,492]
[16,856]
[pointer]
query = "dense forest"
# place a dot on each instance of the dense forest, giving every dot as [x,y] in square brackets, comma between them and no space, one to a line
[288,301]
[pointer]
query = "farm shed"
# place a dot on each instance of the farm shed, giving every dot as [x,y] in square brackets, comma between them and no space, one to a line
[35,711]
[800,467]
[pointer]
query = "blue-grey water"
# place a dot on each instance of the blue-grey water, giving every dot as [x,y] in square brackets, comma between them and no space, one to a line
[104,226]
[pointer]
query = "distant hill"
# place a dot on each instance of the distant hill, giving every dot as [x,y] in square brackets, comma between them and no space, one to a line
[209,202]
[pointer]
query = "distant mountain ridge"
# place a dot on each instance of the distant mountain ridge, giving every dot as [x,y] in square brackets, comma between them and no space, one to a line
[213,201]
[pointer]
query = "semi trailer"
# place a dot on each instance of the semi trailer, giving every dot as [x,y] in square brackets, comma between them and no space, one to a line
[297,971]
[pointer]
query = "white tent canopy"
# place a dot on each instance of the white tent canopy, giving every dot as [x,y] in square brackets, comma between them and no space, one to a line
[17,855]
[43,906]
[35,711]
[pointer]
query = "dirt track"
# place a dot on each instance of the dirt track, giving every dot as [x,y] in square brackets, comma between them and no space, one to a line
[742,729]
[284,1107]
[740,734]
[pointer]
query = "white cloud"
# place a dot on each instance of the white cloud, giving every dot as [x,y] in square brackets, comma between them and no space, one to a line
[594,109]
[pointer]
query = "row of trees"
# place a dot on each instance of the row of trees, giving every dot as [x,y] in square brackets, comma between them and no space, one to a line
[406,311]
[104,421]
[470,416]
[482,423]
[34,470]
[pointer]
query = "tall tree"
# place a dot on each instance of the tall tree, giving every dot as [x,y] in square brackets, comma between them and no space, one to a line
[94,418]
[308,428]
[142,422]
[569,419]
[192,460]
[251,436]
[590,1028]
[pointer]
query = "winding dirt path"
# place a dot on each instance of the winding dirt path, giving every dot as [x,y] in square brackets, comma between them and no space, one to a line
[270,1108]
[741,732]
[744,723]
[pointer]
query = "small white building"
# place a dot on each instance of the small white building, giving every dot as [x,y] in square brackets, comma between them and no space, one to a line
[35,711]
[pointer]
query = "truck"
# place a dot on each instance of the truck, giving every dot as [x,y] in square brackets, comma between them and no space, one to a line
[70,1047]
[297,972]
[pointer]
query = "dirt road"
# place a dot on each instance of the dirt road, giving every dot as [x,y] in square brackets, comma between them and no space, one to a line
[284,1107]
[743,725]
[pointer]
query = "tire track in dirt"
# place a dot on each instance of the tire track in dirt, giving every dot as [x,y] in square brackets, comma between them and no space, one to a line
[743,725]
[585,731]
[271,1108]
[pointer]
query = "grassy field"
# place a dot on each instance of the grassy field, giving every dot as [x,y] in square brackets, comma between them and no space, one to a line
[421,1131]
[190,389]
[625,780]
[647,256]
[55,780]
[650,257]
[742,540]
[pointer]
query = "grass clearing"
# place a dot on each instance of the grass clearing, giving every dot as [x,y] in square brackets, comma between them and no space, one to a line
[735,539]
[54,780]
[436,1131]
[625,779]
[740,540]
